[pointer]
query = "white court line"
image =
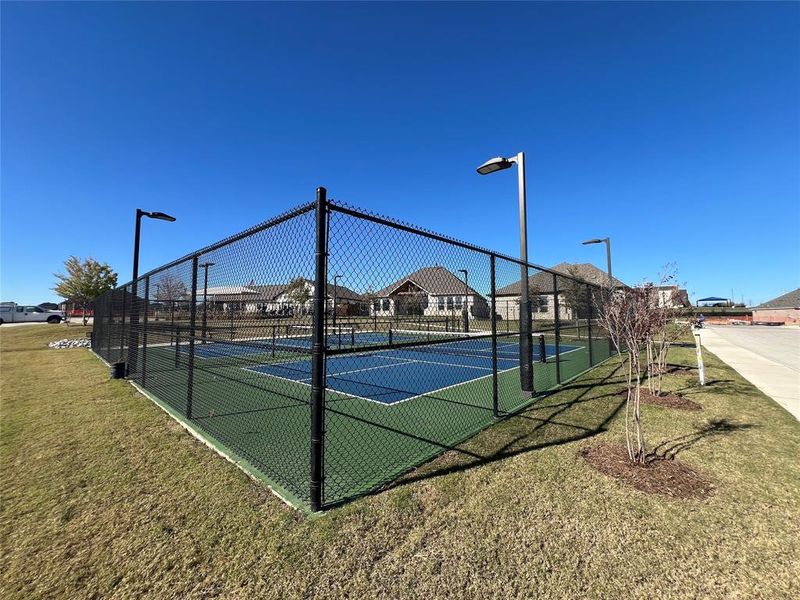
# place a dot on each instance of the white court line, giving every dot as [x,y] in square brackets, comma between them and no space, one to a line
[406,361]
[430,362]
[303,382]
[398,364]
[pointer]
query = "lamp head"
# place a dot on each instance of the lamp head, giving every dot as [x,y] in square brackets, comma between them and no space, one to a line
[160,216]
[594,241]
[495,164]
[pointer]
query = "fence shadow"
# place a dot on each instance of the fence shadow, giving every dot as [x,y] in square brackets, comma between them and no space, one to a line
[543,425]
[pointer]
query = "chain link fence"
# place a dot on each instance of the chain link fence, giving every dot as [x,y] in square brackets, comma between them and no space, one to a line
[329,350]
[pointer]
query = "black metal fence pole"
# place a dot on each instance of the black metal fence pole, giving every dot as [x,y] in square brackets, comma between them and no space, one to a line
[192,333]
[589,323]
[557,323]
[525,336]
[133,335]
[144,327]
[318,354]
[110,324]
[495,409]
[122,330]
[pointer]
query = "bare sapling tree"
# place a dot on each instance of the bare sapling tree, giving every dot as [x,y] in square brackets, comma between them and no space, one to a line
[666,329]
[627,315]
[170,290]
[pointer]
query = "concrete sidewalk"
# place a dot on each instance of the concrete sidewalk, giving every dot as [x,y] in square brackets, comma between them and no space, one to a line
[768,357]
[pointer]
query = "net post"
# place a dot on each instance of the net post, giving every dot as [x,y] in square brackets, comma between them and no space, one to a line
[318,353]
[177,347]
[542,349]
[495,409]
[144,328]
[589,323]
[557,323]
[192,333]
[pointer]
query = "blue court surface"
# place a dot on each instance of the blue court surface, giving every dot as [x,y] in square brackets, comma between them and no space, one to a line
[399,374]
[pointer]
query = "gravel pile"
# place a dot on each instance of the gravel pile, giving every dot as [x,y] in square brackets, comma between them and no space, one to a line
[81,343]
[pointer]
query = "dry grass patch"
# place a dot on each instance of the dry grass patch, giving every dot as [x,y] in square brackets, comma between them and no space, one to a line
[104,495]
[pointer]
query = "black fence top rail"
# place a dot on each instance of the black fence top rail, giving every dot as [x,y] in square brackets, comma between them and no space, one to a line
[397,224]
[290,214]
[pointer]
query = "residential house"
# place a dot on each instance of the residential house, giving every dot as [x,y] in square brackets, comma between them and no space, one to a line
[429,291]
[541,287]
[781,310]
[672,296]
[280,299]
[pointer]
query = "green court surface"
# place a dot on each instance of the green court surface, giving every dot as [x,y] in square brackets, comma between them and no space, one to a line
[263,422]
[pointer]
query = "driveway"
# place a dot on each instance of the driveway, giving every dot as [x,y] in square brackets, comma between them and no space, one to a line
[768,357]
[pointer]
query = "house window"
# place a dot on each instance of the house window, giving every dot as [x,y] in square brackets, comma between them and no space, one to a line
[376,304]
[541,303]
[449,303]
[440,303]
[459,302]
[386,305]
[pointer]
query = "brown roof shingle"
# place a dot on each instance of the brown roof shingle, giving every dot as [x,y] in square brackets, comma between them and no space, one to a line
[788,300]
[542,281]
[434,280]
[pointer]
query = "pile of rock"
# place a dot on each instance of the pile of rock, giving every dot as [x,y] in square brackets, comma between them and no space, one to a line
[80,343]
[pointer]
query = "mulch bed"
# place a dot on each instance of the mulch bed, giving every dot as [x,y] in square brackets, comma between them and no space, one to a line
[667,477]
[666,400]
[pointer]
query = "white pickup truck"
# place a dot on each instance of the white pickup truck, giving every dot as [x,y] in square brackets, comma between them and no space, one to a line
[11,312]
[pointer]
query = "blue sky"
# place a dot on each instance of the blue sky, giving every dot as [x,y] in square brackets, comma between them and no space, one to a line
[673,128]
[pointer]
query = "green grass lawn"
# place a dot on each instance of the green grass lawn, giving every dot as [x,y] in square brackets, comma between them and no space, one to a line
[105,495]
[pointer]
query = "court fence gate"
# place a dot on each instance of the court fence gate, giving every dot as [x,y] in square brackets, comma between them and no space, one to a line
[328,350]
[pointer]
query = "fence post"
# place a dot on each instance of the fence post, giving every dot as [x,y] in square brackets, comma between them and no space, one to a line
[318,354]
[192,333]
[525,336]
[109,323]
[495,409]
[133,336]
[144,328]
[122,331]
[557,323]
[589,323]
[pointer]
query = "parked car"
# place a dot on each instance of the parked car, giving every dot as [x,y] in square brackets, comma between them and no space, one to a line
[11,312]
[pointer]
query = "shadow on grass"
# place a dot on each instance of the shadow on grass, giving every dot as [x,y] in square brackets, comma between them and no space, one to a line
[540,426]
[713,428]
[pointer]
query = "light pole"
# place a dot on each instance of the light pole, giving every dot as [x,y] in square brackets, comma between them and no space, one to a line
[465,312]
[607,242]
[525,344]
[205,266]
[336,279]
[133,346]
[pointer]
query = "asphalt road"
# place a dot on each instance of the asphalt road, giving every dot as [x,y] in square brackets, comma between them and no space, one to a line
[768,357]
